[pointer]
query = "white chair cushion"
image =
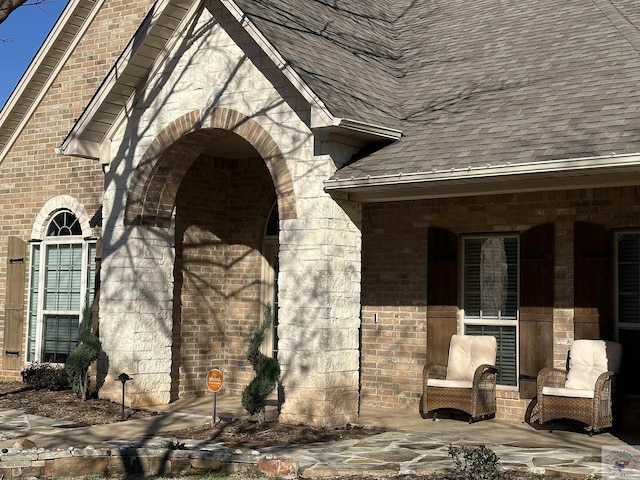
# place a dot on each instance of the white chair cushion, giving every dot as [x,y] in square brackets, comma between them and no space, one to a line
[590,358]
[436,382]
[567,392]
[467,352]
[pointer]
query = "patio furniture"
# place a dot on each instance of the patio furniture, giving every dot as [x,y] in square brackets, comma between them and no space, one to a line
[584,392]
[467,382]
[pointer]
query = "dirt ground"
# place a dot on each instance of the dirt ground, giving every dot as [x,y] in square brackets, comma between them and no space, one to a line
[64,405]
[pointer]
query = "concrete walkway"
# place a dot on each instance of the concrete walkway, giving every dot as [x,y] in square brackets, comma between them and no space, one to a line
[409,445]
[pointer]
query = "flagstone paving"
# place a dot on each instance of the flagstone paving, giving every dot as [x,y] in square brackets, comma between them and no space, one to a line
[410,446]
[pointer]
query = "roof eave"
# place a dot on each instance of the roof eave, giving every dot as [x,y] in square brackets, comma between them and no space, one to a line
[588,172]
[358,133]
[83,140]
[25,98]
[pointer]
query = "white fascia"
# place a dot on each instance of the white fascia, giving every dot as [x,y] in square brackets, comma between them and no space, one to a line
[321,117]
[43,52]
[576,165]
[73,145]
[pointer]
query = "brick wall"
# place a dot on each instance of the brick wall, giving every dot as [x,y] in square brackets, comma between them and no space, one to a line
[222,209]
[31,174]
[394,285]
[394,256]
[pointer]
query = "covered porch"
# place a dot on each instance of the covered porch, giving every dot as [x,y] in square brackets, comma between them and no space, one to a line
[410,444]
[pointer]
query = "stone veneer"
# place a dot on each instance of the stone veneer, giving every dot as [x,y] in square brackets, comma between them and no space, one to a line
[214,86]
[147,461]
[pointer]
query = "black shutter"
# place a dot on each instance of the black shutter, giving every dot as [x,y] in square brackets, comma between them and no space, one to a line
[592,283]
[536,304]
[442,292]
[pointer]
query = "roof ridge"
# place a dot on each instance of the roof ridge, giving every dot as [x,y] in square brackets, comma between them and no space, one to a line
[621,22]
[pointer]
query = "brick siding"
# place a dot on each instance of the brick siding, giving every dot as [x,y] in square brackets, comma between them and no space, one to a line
[222,208]
[31,173]
[394,254]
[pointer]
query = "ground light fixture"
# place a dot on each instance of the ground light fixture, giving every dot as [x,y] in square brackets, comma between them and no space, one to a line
[124,378]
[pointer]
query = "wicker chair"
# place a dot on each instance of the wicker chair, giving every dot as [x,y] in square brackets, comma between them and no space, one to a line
[466,383]
[584,392]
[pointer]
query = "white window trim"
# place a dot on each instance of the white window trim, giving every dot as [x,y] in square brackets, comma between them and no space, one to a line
[463,320]
[39,237]
[41,291]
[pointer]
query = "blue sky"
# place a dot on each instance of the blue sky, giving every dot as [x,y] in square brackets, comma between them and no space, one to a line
[27,27]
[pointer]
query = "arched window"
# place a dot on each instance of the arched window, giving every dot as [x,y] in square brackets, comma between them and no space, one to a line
[61,286]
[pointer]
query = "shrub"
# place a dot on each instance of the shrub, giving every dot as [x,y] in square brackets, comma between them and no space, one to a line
[81,357]
[267,369]
[474,463]
[45,376]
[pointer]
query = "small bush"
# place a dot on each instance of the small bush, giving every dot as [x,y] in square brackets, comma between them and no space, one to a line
[267,369]
[81,357]
[45,376]
[474,463]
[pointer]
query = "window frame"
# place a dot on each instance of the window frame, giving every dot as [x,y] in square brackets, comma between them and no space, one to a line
[498,321]
[36,353]
[618,325]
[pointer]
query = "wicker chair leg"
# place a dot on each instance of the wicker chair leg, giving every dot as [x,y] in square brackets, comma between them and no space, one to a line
[470,419]
[551,427]
[435,416]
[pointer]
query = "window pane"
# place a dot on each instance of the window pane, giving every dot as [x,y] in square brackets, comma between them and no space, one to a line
[491,277]
[506,356]
[63,274]
[60,337]
[629,278]
[64,223]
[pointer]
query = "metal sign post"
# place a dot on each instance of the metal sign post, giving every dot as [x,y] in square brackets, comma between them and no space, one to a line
[214,383]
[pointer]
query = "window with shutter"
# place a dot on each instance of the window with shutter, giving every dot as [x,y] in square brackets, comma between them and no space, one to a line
[490,297]
[62,280]
[627,309]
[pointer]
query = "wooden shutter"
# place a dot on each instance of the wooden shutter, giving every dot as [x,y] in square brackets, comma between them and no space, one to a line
[442,292]
[13,357]
[592,284]
[536,305]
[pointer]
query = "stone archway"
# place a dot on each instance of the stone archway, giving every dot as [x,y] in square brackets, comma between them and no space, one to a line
[182,183]
[155,182]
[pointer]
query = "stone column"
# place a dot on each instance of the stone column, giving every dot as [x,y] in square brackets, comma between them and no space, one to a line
[319,298]
[136,304]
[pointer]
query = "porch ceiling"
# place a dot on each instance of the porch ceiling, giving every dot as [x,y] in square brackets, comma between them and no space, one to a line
[597,172]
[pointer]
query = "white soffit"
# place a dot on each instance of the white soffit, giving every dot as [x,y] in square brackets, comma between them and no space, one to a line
[144,53]
[43,69]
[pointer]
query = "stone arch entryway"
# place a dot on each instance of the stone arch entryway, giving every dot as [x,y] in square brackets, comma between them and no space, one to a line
[214,181]
[154,185]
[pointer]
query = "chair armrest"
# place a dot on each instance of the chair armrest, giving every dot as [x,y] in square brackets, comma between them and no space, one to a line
[603,381]
[551,377]
[434,370]
[482,371]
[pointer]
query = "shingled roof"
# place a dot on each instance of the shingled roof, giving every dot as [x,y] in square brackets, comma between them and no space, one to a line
[470,84]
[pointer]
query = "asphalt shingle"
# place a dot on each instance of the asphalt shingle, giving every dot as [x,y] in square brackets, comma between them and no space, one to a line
[468,83]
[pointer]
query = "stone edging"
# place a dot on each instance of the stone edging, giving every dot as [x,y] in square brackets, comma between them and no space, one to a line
[147,461]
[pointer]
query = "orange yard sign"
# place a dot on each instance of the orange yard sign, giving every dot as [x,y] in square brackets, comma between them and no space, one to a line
[214,380]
